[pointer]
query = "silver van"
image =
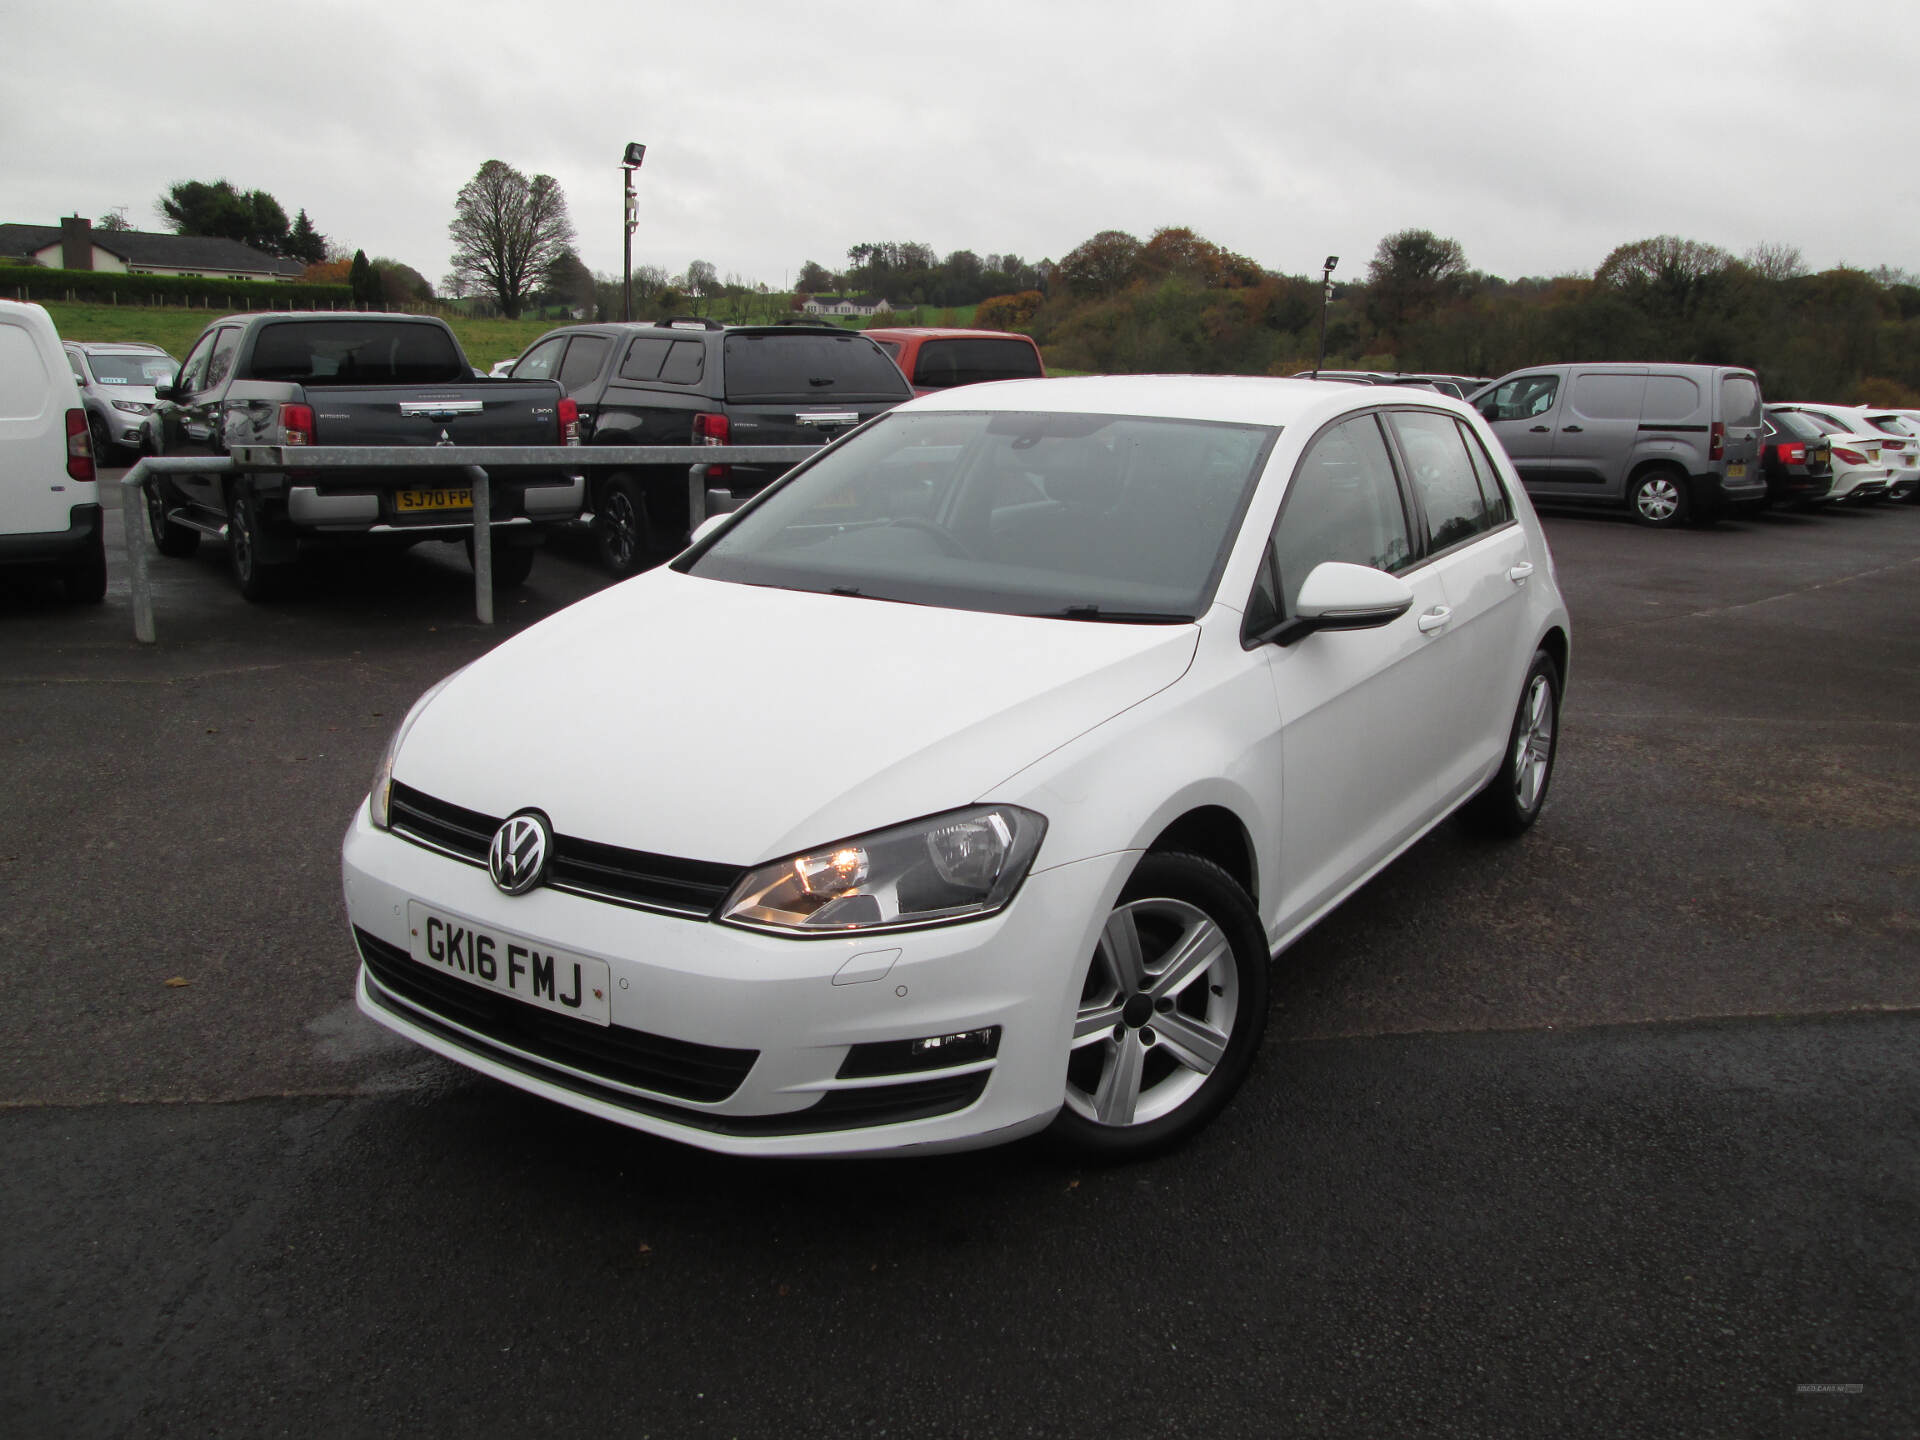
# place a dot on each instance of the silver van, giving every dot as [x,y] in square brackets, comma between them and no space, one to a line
[1669,442]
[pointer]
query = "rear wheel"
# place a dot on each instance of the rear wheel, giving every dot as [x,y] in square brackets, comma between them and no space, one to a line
[1172,1006]
[86,577]
[1515,796]
[169,538]
[621,532]
[1658,497]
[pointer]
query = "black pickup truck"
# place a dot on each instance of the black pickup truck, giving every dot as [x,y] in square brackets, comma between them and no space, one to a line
[350,379]
[688,381]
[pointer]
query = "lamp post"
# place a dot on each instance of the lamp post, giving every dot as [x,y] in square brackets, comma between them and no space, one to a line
[630,162]
[1326,298]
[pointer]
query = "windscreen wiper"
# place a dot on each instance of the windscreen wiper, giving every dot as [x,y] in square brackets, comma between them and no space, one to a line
[1115,617]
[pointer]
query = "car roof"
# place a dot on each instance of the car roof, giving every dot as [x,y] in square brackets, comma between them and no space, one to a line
[103,347]
[1237,399]
[942,332]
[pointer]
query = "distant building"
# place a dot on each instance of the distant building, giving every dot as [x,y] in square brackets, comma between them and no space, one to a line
[74,244]
[844,305]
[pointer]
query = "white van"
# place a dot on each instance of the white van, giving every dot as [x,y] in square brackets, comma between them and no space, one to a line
[49,498]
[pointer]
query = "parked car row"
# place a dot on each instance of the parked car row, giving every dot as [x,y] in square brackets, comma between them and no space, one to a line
[1679,443]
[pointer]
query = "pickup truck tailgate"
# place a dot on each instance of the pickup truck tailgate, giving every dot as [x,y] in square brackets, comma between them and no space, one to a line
[477,413]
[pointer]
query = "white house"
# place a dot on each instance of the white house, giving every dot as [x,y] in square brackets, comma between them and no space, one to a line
[75,245]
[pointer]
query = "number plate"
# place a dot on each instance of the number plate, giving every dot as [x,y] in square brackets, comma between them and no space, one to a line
[1736,470]
[512,965]
[407,501]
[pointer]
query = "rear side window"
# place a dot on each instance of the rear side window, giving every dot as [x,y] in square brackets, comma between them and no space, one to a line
[801,366]
[1739,400]
[686,363]
[643,357]
[1670,399]
[357,352]
[538,363]
[585,356]
[24,382]
[945,363]
[1609,397]
[1442,476]
[1492,492]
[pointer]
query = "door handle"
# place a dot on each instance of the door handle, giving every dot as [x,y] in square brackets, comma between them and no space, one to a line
[1519,573]
[1537,430]
[1571,429]
[1434,619]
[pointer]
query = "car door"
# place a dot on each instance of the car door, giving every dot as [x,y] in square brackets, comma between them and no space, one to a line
[1599,426]
[1356,779]
[203,416]
[1484,562]
[1523,414]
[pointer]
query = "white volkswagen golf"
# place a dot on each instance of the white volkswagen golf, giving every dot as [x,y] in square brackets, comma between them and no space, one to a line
[968,780]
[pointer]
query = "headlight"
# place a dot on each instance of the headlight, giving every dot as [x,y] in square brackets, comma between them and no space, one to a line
[380,797]
[957,866]
[133,407]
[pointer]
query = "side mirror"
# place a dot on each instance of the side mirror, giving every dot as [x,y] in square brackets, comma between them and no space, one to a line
[1339,596]
[169,391]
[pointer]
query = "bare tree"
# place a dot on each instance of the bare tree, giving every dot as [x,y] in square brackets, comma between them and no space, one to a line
[1772,260]
[506,231]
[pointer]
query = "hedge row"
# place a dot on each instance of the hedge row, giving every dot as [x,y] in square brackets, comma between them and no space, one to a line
[104,287]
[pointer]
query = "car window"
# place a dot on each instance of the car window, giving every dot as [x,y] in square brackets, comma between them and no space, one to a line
[809,366]
[1442,476]
[193,371]
[1893,425]
[686,363]
[1739,400]
[643,357]
[945,363]
[1792,422]
[585,356]
[220,364]
[78,373]
[1493,490]
[1522,398]
[539,362]
[1342,504]
[1670,398]
[357,352]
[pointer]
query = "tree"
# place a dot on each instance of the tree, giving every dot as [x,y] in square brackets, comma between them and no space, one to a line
[304,243]
[401,284]
[326,272]
[254,217]
[567,281]
[114,220]
[814,280]
[1410,273]
[701,279]
[1102,265]
[506,230]
[364,281]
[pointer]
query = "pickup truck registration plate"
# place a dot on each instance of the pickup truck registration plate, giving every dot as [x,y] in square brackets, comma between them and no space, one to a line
[511,965]
[406,501]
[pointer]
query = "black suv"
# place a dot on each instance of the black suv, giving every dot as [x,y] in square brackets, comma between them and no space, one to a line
[696,382]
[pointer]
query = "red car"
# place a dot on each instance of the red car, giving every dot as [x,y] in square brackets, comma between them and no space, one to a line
[939,359]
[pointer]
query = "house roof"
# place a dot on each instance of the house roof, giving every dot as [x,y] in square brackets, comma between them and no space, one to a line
[146,247]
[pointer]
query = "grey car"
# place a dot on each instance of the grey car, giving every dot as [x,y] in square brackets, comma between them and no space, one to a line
[1670,443]
[116,381]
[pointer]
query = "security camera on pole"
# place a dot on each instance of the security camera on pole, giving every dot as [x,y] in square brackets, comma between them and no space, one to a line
[1326,298]
[636,152]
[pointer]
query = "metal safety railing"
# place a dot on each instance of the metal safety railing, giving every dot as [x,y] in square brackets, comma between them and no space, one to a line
[478,462]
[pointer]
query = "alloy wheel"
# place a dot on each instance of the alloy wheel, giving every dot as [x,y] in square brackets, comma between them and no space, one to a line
[1533,747]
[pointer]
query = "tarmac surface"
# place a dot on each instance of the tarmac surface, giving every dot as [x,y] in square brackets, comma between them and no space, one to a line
[1615,1130]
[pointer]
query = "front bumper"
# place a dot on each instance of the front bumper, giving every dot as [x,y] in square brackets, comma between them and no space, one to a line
[772,1024]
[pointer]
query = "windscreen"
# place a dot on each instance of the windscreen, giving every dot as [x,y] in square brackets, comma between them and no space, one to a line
[945,363]
[810,368]
[1080,517]
[1793,423]
[357,352]
[126,368]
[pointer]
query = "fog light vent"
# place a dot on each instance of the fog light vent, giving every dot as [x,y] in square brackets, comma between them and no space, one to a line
[930,1052]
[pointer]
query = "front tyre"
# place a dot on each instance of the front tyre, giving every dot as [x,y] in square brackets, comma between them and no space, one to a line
[1171,1011]
[169,538]
[1513,799]
[622,534]
[257,581]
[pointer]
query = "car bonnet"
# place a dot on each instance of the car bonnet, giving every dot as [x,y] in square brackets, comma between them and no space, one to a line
[736,723]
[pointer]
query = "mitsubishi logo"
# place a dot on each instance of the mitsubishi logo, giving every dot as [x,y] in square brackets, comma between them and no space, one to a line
[445,439]
[517,859]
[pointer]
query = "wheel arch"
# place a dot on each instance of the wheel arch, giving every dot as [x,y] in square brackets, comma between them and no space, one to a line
[1213,832]
[1557,645]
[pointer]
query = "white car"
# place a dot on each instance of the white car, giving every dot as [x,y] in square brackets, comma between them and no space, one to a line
[1905,424]
[1899,454]
[49,494]
[967,780]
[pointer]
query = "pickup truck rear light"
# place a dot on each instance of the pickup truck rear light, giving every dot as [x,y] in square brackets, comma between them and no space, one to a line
[296,424]
[713,430]
[1717,442]
[1851,457]
[79,447]
[569,422]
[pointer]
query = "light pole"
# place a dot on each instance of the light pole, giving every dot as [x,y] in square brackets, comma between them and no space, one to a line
[1326,298]
[630,162]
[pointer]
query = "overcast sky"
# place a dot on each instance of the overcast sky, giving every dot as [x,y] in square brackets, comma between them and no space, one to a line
[1539,134]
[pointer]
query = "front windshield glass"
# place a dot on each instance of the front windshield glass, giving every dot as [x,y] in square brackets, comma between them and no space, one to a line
[125,368]
[1083,517]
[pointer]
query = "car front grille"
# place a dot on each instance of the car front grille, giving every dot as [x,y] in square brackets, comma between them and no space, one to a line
[635,878]
[704,1074]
